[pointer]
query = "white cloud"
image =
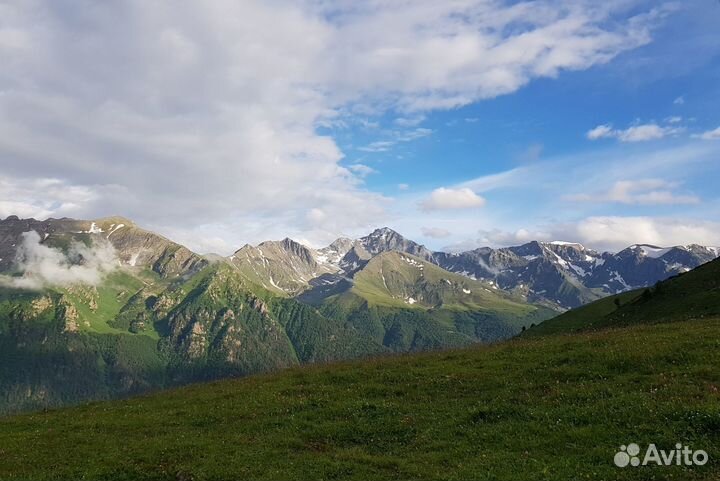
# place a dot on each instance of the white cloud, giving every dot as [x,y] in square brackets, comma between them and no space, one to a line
[500,238]
[403,186]
[642,191]
[206,113]
[679,100]
[641,133]
[614,232]
[40,265]
[435,232]
[636,133]
[611,233]
[710,134]
[362,170]
[42,197]
[450,198]
[599,132]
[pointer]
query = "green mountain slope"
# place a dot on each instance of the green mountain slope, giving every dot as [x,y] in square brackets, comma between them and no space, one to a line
[556,407]
[137,331]
[165,316]
[408,304]
[134,246]
[695,294]
[395,279]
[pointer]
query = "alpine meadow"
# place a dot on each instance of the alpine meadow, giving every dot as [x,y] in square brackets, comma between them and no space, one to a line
[410,240]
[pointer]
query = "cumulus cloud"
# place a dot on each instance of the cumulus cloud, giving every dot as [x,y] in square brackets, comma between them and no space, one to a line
[499,237]
[614,232]
[40,266]
[43,197]
[605,233]
[403,186]
[207,113]
[599,132]
[641,133]
[710,134]
[435,232]
[636,133]
[642,191]
[450,198]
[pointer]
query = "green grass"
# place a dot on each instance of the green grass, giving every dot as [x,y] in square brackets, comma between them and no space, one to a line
[111,295]
[695,294]
[391,277]
[581,318]
[552,408]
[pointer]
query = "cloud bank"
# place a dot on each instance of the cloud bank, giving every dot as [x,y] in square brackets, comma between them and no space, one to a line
[207,113]
[641,191]
[41,266]
[610,233]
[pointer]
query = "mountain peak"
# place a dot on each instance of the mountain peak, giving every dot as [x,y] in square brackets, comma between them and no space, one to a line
[384,232]
[289,242]
[649,250]
[386,239]
[576,245]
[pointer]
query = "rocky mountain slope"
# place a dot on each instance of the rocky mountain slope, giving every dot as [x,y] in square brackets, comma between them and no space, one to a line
[134,246]
[160,315]
[568,275]
[285,267]
[559,275]
[690,295]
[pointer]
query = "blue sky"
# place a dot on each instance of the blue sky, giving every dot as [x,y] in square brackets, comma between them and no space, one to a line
[460,124]
[672,82]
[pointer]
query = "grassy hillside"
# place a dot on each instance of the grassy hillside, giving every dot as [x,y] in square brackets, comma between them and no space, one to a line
[395,279]
[556,407]
[695,294]
[407,304]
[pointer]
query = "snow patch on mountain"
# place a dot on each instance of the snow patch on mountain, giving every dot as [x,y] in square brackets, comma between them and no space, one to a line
[651,251]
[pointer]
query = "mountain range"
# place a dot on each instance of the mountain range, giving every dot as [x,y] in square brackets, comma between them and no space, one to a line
[76,324]
[640,365]
[559,275]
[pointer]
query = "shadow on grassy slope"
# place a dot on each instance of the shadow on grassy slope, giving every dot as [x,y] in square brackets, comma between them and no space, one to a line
[549,408]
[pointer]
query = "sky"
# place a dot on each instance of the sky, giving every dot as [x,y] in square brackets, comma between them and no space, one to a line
[460,124]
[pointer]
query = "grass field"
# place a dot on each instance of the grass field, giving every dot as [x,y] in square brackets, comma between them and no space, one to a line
[555,407]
